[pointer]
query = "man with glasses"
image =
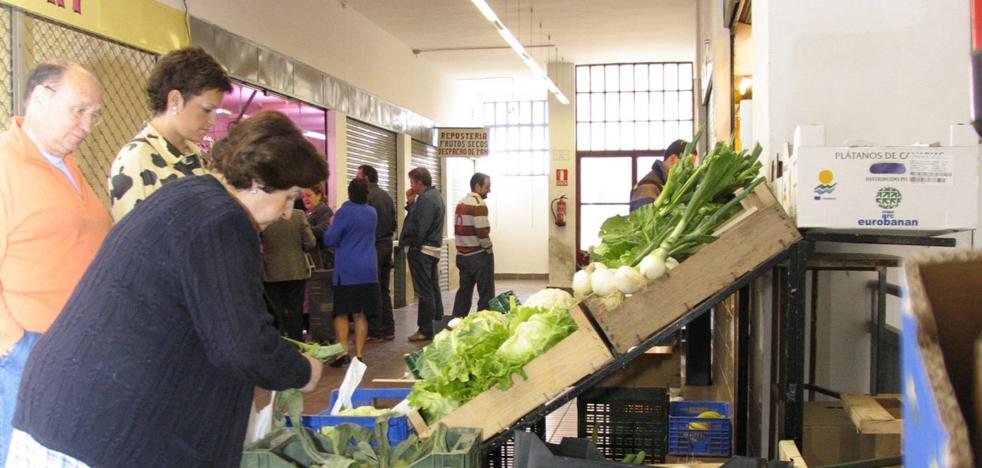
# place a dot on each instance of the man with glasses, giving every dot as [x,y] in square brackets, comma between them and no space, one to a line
[51,222]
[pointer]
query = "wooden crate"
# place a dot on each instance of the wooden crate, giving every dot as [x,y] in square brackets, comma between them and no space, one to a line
[576,356]
[751,237]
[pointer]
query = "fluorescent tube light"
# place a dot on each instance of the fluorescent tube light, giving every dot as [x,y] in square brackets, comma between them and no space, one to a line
[314,135]
[489,14]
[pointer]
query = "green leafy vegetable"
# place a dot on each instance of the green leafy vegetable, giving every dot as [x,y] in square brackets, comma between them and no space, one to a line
[694,201]
[366,411]
[316,350]
[484,350]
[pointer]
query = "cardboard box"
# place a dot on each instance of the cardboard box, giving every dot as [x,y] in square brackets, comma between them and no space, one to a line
[830,437]
[883,188]
[940,328]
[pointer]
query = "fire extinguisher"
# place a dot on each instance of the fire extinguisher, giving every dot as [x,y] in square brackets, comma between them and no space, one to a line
[558,206]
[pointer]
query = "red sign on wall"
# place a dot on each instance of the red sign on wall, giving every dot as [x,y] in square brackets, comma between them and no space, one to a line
[76,4]
[562,177]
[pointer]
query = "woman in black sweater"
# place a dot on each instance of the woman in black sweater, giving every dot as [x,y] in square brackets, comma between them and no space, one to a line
[154,359]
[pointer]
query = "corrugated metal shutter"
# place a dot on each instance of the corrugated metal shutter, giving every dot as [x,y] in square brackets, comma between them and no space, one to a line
[376,147]
[425,155]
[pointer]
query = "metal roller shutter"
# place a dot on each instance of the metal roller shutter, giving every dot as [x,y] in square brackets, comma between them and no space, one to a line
[376,147]
[425,155]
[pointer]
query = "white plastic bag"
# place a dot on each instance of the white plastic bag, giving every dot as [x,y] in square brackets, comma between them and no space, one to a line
[352,378]
[260,422]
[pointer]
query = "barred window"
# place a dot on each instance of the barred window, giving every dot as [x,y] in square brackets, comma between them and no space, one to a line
[518,136]
[634,106]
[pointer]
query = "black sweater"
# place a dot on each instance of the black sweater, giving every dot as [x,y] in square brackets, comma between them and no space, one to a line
[155,356]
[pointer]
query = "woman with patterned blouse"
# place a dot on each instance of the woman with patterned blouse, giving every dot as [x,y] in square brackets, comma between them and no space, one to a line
[184,89]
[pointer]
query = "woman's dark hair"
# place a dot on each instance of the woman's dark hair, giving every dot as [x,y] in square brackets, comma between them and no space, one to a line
[269,149]
[317,188]
[358,191]
[190,70]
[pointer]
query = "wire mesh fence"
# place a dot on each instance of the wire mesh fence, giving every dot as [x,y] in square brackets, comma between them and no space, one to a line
[6,75]
[123,72]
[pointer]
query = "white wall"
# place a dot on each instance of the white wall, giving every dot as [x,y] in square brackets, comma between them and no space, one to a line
[890,74]
[340,42]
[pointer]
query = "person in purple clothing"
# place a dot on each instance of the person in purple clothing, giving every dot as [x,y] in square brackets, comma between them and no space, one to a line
[355,277]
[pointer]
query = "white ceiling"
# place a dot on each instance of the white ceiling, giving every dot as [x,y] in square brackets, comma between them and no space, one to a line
[583,32]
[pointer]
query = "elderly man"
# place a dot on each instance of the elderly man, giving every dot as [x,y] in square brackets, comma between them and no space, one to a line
[422,236]
[475,259]
[52,222]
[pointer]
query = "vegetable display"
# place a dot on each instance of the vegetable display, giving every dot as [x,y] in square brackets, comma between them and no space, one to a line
[485,349]
[650,241]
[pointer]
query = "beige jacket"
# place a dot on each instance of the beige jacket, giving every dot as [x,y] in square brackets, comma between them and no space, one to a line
[285,244]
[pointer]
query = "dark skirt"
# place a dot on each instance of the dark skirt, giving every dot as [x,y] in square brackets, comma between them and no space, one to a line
[350,299]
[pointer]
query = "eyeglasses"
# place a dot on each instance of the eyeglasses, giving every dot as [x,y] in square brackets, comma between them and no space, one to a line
[81,112]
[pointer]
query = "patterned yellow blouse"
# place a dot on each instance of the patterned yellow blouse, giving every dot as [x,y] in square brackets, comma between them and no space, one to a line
[146,163]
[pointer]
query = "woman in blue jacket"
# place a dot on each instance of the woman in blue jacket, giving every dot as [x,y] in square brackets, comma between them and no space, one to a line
[355,278]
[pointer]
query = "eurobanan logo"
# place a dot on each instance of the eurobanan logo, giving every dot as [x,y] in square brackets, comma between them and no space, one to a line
[887,198]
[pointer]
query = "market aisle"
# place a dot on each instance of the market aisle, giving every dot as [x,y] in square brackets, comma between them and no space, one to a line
[385,359]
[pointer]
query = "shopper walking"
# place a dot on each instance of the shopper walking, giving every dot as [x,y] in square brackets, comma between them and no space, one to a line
[319,217]
[154,360]
[422,237]
[285,268]
[52,223]
[355,276]
[185,88]
[475,259]
[384,327]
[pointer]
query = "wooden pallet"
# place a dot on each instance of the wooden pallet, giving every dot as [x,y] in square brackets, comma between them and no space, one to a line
[575,357]
[751,237]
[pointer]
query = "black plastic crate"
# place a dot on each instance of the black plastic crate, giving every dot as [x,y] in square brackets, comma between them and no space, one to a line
[627,421]
[504,455]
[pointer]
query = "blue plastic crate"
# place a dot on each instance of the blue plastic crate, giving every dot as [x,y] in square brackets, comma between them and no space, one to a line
[399,428]
[712,442]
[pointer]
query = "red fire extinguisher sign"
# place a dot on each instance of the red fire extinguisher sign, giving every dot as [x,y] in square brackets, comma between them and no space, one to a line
[562,177]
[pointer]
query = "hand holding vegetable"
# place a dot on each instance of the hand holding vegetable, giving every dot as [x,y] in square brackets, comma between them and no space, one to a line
[316,367]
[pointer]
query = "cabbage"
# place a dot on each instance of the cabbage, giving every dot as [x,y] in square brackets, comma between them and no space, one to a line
[551,297]
[366,411]
[484,350]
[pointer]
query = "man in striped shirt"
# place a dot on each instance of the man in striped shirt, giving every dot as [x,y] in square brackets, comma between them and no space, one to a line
[475,259]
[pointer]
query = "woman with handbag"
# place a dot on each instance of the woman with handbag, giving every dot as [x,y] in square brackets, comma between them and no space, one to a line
[285,269]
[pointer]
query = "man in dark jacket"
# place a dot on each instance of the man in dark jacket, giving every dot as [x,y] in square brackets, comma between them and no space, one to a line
[648,188]
[383,327]
[422,237]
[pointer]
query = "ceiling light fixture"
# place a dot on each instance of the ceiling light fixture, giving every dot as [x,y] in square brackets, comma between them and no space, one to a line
[489,14]
[314,135]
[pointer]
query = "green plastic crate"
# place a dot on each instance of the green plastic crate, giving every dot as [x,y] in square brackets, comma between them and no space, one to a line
[465,451]
[501,302]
